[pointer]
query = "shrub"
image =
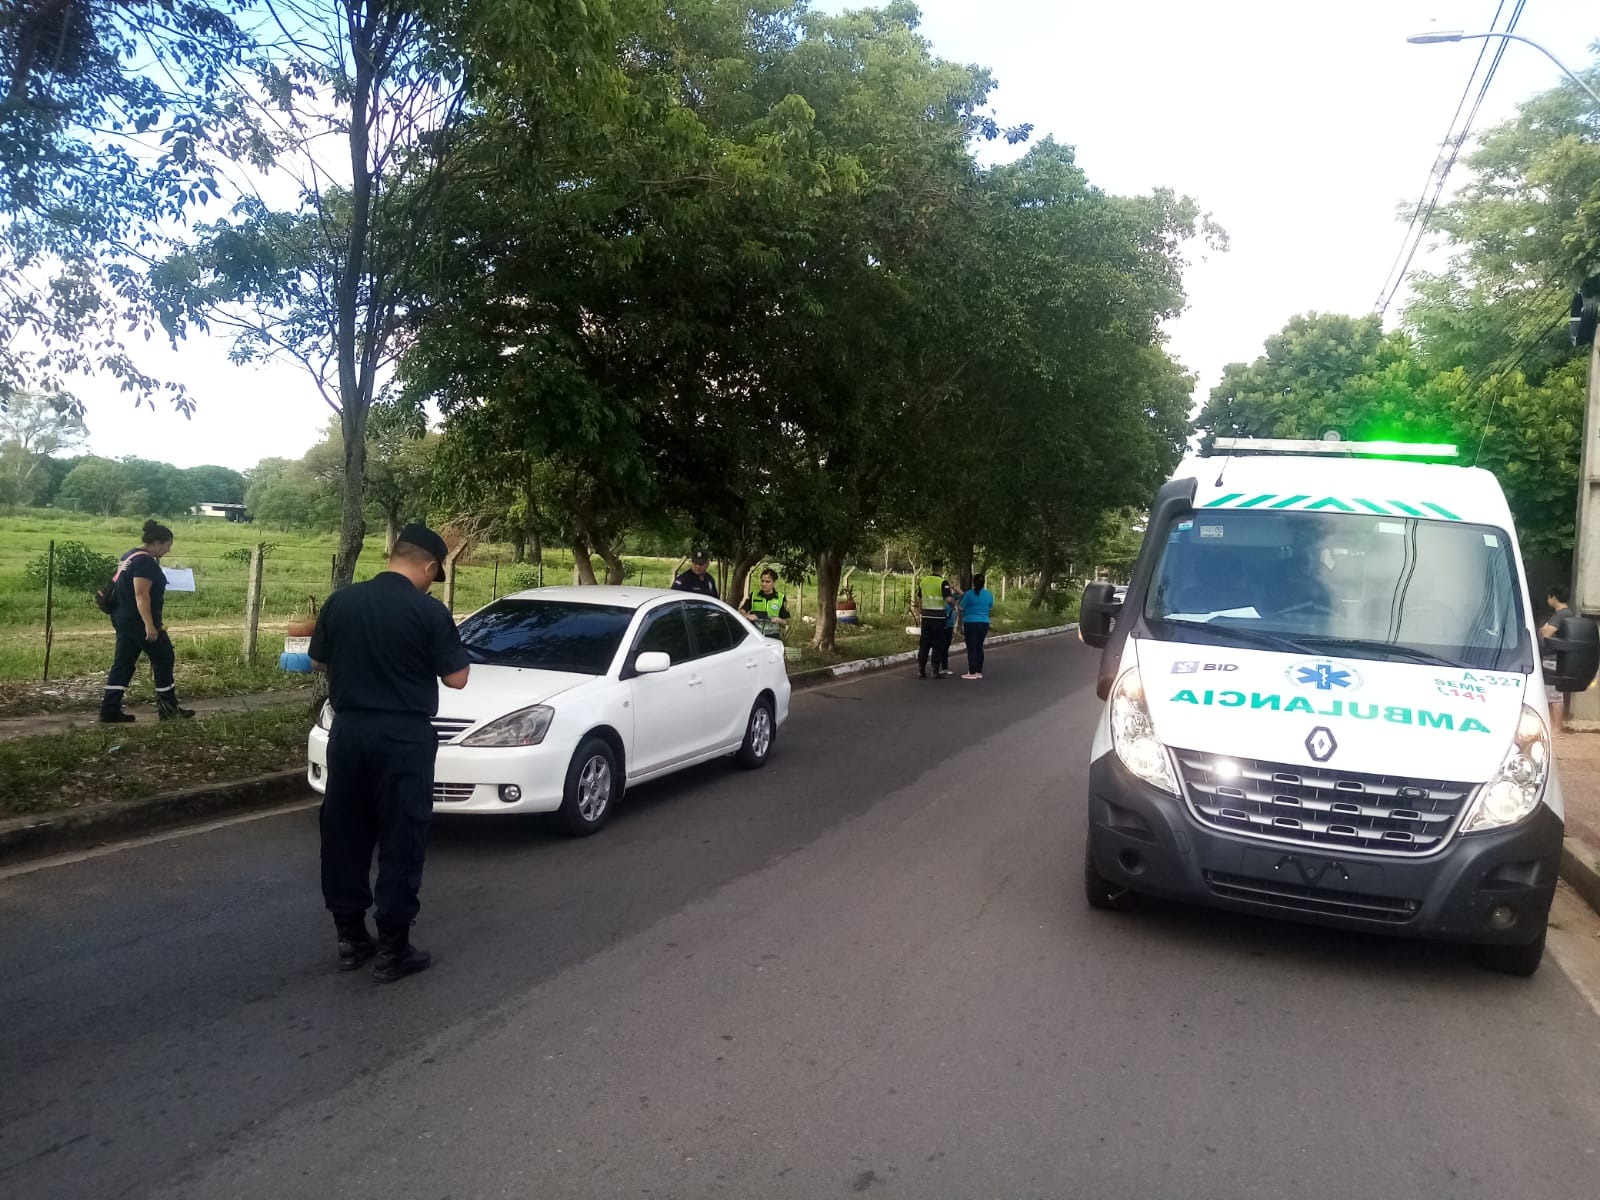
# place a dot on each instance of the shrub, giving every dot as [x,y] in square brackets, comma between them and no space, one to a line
[242,554]
[77,567]
[520,576]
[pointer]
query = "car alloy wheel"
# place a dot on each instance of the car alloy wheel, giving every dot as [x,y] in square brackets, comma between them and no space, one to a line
[594,788]
[760,732]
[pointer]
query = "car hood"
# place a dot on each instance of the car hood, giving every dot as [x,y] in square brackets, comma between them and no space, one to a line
[492,691]
[1381,718]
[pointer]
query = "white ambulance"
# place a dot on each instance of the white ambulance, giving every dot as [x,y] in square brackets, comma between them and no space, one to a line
[1325,700]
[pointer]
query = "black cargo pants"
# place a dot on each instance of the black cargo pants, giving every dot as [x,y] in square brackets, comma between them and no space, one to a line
[930,641]
[380,795]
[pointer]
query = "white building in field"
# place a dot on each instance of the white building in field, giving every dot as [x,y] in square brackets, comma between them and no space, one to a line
[222,512]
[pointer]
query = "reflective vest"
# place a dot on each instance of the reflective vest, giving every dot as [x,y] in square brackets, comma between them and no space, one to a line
[933,596]
[769,607]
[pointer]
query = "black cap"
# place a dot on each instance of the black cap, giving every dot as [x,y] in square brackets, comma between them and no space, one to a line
[428,542]
[700,555]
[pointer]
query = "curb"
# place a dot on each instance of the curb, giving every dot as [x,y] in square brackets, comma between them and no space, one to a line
[75,829]
[1580,867]
[859,666]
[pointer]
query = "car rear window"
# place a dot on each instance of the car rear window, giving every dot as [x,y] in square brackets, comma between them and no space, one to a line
[547,635]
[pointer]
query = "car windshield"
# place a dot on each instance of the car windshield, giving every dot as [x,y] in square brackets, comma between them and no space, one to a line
[547,635]
[1336,583]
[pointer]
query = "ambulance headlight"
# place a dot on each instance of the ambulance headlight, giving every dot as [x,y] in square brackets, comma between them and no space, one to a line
[1519,786]
[1133,734]
[325,717]
[525,727]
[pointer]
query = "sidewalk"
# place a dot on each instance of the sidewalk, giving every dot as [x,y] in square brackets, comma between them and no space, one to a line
[59,722]
[1578,755]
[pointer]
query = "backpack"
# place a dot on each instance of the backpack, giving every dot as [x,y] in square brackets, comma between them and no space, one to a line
[105,598]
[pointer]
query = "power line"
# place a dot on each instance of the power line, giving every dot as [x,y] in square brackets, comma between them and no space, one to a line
[1453,142]
[1527,348]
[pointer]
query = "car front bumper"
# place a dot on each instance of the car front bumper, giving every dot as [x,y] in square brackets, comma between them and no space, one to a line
[1148,840]
[471,779]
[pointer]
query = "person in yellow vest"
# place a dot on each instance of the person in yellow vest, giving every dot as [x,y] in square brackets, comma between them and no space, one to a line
[767,603]
[935,596]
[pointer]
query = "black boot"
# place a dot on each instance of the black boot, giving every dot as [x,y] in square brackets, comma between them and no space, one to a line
[397,957]
[111,708]
[356,945]
[167,706]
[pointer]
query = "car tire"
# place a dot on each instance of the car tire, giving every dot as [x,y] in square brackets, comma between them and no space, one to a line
[1521,960]
[1102,893]
[594,785]
[760,734]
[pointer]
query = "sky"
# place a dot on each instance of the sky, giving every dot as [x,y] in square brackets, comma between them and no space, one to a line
[1302,128]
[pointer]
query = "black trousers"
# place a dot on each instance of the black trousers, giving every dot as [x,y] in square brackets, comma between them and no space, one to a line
[976,632]
[130,645]
[941,652]
[380,796]
[933,633]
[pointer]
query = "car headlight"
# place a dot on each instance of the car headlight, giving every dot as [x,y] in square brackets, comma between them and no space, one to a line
[1516,791]
[1133,734]
[325,717]
[525,727]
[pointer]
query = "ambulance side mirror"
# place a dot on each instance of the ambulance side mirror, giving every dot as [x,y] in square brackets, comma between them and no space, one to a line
[1576,646]
[1097,614]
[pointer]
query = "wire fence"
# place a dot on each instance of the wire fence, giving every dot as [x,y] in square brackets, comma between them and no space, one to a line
[38,613]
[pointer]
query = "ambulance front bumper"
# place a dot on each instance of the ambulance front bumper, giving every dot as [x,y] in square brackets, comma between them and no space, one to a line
[1482,888]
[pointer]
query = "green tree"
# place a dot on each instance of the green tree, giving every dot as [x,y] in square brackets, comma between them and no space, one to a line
[109,130]
[97,485]
[216,485]
[33,428]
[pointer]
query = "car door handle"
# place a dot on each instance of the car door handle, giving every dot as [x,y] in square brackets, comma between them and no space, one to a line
[696,681]
[750,664]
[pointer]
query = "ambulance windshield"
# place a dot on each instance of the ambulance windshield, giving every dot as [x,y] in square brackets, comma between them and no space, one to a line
[1364,586]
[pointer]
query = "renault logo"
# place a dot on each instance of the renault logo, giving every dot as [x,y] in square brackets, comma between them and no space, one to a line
[1320,744]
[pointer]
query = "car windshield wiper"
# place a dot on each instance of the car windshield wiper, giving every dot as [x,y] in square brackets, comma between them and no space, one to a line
[1410,654]
[1254,637]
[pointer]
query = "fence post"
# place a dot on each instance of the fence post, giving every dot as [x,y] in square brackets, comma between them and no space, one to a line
[252,602]
[49,607]
[1002,589]
[450,584]
[333,569]
[494,587]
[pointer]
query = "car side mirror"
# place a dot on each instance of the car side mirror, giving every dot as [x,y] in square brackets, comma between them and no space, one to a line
[652,662]
[1576,646]
[1097,614]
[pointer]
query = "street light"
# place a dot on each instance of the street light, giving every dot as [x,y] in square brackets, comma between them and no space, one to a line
[1455,35]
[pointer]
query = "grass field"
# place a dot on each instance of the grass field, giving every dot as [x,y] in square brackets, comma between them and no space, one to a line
[88,767]
[207,624]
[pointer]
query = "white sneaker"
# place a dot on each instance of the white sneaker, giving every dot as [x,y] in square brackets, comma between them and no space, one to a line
[969,676]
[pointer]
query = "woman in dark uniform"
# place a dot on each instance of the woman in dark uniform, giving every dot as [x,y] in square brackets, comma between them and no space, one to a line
[136,616]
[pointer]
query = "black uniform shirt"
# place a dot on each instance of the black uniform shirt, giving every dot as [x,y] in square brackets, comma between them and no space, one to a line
[690,582]
[386,645]
[139,564]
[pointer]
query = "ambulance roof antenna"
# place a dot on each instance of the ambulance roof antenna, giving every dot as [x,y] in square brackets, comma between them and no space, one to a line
[1223,470]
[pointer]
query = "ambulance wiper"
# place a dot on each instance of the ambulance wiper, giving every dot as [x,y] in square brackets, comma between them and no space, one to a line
[1408,653]
[1255,637]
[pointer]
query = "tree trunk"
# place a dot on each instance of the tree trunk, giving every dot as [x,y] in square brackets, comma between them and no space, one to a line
[1047,570]
[828,564]
[616,569]
[583,563]
[519,546]
[391,530]
[538,544]
[739,581]
[352,518]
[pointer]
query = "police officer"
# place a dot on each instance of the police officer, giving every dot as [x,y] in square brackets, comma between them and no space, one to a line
[386,646]
[936,595]
[767,603]
[697,578]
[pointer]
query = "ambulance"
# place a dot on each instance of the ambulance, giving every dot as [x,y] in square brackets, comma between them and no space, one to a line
[1326,700]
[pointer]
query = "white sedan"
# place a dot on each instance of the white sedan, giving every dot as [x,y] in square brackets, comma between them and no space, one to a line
[577,693]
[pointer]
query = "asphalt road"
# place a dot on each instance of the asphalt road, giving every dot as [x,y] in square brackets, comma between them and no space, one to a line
[867,969]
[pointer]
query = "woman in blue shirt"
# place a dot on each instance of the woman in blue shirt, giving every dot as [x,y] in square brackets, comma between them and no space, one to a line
[976,602]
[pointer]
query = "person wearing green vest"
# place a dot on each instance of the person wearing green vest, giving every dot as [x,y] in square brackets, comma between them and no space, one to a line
[935,595]
[766,603]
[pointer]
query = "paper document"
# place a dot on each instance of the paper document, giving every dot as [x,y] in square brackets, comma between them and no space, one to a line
[179,579]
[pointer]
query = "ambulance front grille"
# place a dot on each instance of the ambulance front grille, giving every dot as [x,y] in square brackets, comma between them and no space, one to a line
[1317,806]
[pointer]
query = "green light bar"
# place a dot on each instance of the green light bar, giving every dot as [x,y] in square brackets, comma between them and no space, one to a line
[1341,449]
